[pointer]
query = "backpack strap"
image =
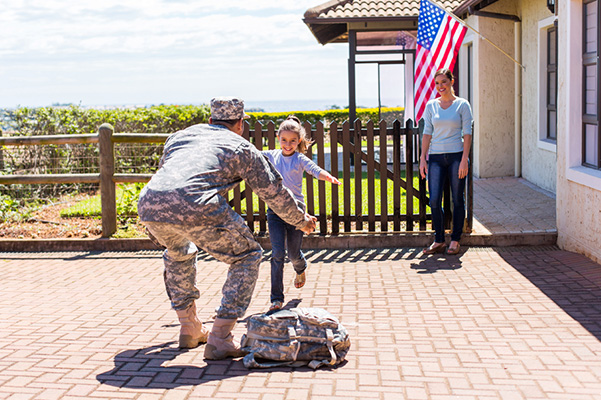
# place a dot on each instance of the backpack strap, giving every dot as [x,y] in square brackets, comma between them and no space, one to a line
[318,363]
[250,361]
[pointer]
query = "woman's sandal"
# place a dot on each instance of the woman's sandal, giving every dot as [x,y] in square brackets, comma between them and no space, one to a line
[435,248]
[453,250]
[300,279]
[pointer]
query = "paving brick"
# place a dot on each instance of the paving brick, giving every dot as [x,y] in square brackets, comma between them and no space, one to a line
[51,394]
[507,322]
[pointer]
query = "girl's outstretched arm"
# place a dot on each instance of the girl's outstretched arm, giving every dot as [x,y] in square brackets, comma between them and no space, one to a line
[326,176]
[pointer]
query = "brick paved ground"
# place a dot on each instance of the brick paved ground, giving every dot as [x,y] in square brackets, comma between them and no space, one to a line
[513,323]
[512,205]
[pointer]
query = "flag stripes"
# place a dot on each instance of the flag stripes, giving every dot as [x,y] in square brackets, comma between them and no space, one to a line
[439,38]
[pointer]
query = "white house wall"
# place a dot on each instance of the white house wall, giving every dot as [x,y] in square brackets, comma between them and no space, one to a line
[539,158]
[578,188]
[494,95]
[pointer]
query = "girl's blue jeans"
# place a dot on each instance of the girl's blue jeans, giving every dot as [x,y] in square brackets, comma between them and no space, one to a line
[283,236]
[440,168]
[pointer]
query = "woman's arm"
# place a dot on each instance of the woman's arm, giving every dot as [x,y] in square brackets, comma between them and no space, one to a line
[426,140]
[467,119]
[423,164]
[463,166]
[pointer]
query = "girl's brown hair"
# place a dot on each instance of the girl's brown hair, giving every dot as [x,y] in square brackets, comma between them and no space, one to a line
[293,124]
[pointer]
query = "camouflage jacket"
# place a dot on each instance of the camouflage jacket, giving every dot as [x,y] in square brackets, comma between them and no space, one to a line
[200,165]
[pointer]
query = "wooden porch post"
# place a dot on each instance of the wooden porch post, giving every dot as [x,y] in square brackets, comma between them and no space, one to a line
[352,106]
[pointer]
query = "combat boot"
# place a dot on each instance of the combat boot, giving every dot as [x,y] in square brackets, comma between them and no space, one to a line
[192,332]
[221,344]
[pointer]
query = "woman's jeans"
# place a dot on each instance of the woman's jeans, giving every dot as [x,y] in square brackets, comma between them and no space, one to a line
[440,168]
[283,236]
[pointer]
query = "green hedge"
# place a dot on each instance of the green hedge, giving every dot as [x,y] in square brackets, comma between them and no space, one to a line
[78,120]
[26,121]
[142,158]
[328,116]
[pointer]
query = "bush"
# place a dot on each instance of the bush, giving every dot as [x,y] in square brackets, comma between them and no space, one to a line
[326,117]
[138,158]
[26,121]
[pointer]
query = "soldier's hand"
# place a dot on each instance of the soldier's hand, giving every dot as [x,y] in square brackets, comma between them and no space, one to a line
[310,226]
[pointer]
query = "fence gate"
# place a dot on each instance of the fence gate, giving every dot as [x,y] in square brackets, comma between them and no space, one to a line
[378,166]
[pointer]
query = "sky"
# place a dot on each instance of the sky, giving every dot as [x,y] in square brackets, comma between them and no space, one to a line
[133,52]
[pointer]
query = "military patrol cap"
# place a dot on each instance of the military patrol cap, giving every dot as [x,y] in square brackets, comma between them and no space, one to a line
[227,108]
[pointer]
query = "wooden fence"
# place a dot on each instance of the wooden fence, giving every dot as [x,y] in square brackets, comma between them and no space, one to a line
[369,160]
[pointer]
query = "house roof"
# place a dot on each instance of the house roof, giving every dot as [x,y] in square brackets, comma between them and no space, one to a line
[329,21]
[462,9]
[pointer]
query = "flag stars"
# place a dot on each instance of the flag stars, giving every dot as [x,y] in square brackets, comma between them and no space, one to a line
[430,18]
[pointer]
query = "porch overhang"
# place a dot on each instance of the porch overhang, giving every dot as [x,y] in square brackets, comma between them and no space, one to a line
[330,22]
[363,23]
[463,9]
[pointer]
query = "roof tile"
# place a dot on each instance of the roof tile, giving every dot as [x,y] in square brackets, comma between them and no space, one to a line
[374,8]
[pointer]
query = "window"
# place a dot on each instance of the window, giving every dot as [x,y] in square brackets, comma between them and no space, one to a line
[591,143]
[551,68]
[547,83]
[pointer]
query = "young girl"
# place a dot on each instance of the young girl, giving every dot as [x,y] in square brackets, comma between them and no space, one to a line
[290,162]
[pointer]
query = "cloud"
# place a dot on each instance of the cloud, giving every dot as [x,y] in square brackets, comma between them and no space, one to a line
[114,28]
[119,51]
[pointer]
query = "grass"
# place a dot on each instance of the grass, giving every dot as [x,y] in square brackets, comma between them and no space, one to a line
[127,232]
[89,207]
[364,196]
[126,197]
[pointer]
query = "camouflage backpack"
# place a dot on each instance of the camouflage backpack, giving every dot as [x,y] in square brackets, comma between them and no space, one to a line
[295,337]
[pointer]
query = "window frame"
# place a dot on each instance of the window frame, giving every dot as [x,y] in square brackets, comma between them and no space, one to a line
[544,142]
[551,70]
[590,59]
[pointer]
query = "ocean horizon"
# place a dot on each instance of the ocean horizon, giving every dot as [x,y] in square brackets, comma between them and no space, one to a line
[250,105]
[301,105]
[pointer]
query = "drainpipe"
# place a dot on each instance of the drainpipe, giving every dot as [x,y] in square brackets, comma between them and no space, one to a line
[518,99]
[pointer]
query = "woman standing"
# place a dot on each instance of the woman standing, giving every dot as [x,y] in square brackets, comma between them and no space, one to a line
[446,146]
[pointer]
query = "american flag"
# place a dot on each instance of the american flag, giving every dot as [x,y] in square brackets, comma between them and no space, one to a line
[439,37]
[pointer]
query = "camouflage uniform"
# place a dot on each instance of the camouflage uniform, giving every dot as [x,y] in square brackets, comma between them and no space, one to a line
[184,207]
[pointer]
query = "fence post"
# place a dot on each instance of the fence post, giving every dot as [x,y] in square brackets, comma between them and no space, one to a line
[1,155]
[107,185]
[408,138]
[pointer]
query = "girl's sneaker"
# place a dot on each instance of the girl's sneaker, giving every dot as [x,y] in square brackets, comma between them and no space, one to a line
[276,305]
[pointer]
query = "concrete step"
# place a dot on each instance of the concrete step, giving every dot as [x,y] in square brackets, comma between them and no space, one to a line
[313,241]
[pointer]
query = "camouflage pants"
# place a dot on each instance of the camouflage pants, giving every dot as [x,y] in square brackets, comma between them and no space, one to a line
[229,241]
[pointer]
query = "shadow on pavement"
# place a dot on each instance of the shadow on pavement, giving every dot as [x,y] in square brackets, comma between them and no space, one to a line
[144,369]
[423,265]
[358,255]
[437,262]
[570,280]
